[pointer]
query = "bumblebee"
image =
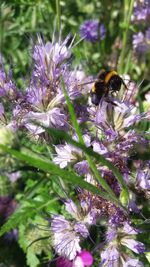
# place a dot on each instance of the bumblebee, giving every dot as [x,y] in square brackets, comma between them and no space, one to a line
[107,82]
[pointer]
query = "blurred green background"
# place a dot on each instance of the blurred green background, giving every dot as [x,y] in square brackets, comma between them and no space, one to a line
[21,20]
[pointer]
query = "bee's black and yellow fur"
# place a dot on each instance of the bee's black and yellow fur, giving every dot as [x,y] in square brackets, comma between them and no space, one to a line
[107,81]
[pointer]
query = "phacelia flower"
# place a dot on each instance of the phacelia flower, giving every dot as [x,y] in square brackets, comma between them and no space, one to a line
[115,116]
[49,60]
[52,118]
[143,178]
[139,43]
[116,238]
[132,263]
[134,245]
[44,101]
[141,11]
[69,154]
[7,86]
[67,234]
[65,239]
[91,30]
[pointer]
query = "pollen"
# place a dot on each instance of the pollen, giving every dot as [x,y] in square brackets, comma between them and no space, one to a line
[93,89]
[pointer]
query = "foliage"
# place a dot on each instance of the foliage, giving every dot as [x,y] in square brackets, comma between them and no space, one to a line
[34,187]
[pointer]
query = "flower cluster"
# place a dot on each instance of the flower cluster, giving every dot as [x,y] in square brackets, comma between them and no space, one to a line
[141,42]
[141,11]
[141,16]
[107,129]
[91,30]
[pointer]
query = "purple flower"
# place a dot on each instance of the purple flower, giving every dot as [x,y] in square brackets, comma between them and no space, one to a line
[65,238]
[141,11]
[129,230]
[124,147]
[134,245]
[133,207]
[14,176]
[110,257]
[51,118]
[82,167]
[69,154]
[71,207]
[44,100]
[49,60]
[143,179]
[141,42]
[147,35]
[115,116]
[117,218]
[66,154]
[133,263]
[7,207]
[99,147]
[91,30]
[116,237]
[11,236]
[7,86]
[80,228]
[111,234]
[1,111]
[84,214]
[67,234]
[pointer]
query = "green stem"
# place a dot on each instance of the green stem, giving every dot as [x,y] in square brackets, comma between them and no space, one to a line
[1,29]
[58,12]
[127,20]
[93,167]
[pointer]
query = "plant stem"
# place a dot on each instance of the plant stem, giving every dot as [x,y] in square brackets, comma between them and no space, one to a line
[127,20]
[58,12]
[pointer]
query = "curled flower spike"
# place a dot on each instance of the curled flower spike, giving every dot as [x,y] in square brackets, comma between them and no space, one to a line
[44,101]
[49,59]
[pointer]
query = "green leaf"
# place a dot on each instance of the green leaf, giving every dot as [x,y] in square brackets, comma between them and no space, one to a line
[32,259]
[19,216]
[64,136]
[50,167]
[148,256]
[92,165]
[22,214]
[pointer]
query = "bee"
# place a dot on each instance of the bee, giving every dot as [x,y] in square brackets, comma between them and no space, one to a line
[107,82]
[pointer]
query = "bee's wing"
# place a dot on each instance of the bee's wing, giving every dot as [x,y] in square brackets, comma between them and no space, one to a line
[88,82]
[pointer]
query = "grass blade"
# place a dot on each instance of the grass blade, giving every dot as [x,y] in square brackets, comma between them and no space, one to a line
[50,167]
[93,167]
